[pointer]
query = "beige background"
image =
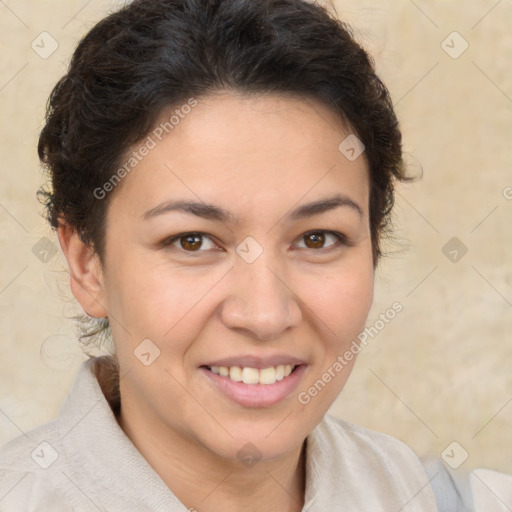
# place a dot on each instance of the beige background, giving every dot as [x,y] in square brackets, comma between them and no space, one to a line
[441,371]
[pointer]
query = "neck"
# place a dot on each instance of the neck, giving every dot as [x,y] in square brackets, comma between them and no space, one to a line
[205,482]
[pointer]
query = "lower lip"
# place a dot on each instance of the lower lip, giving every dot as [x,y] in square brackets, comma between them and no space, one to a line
[256,395]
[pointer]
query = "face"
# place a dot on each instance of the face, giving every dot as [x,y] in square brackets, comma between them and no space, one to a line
[241,240]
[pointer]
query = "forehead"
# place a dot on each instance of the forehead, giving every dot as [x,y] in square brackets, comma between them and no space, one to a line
[253,151]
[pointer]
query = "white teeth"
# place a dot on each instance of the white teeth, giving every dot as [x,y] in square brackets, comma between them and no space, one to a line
[235,373]
[267,375]
[249,375]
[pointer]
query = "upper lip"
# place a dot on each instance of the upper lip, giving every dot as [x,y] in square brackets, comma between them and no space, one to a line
[259,362]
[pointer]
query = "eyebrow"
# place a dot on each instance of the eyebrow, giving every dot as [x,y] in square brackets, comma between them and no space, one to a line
[219,214]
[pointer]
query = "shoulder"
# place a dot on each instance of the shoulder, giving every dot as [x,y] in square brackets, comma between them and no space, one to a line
[355,459]
[479,490]
[21,452]
[31,472]
[368,443]
[491,490]
[38,468]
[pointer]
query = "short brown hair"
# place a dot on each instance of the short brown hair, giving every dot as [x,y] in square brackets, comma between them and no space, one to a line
[153,54]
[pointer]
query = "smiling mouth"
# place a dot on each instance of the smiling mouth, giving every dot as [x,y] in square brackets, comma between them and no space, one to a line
[248,375]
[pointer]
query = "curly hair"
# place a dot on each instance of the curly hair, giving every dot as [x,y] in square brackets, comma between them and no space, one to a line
[154,54]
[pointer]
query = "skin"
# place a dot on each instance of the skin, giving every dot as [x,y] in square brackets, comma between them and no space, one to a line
[258,157]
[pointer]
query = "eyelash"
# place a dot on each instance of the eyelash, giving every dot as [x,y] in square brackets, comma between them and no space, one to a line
[340,237]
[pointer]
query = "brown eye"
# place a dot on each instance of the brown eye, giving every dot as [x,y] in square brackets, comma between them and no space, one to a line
[322,240]
[314,240]
[191,242]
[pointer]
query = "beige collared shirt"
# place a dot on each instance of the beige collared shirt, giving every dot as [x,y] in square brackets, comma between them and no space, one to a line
[83,461]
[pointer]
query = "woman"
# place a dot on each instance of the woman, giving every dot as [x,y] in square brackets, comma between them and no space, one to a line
[221,176]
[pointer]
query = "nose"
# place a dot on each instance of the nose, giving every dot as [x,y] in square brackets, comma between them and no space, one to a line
[261,303]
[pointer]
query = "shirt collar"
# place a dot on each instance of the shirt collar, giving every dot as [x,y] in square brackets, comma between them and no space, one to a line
[340,464]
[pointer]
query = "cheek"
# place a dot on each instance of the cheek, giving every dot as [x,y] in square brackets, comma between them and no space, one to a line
[156,302]
[355,294]
[340,310]
[341,301]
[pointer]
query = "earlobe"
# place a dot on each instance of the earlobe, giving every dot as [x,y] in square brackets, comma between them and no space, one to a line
[84,270]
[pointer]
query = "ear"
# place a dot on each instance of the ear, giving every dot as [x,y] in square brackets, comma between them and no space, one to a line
[84,271]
